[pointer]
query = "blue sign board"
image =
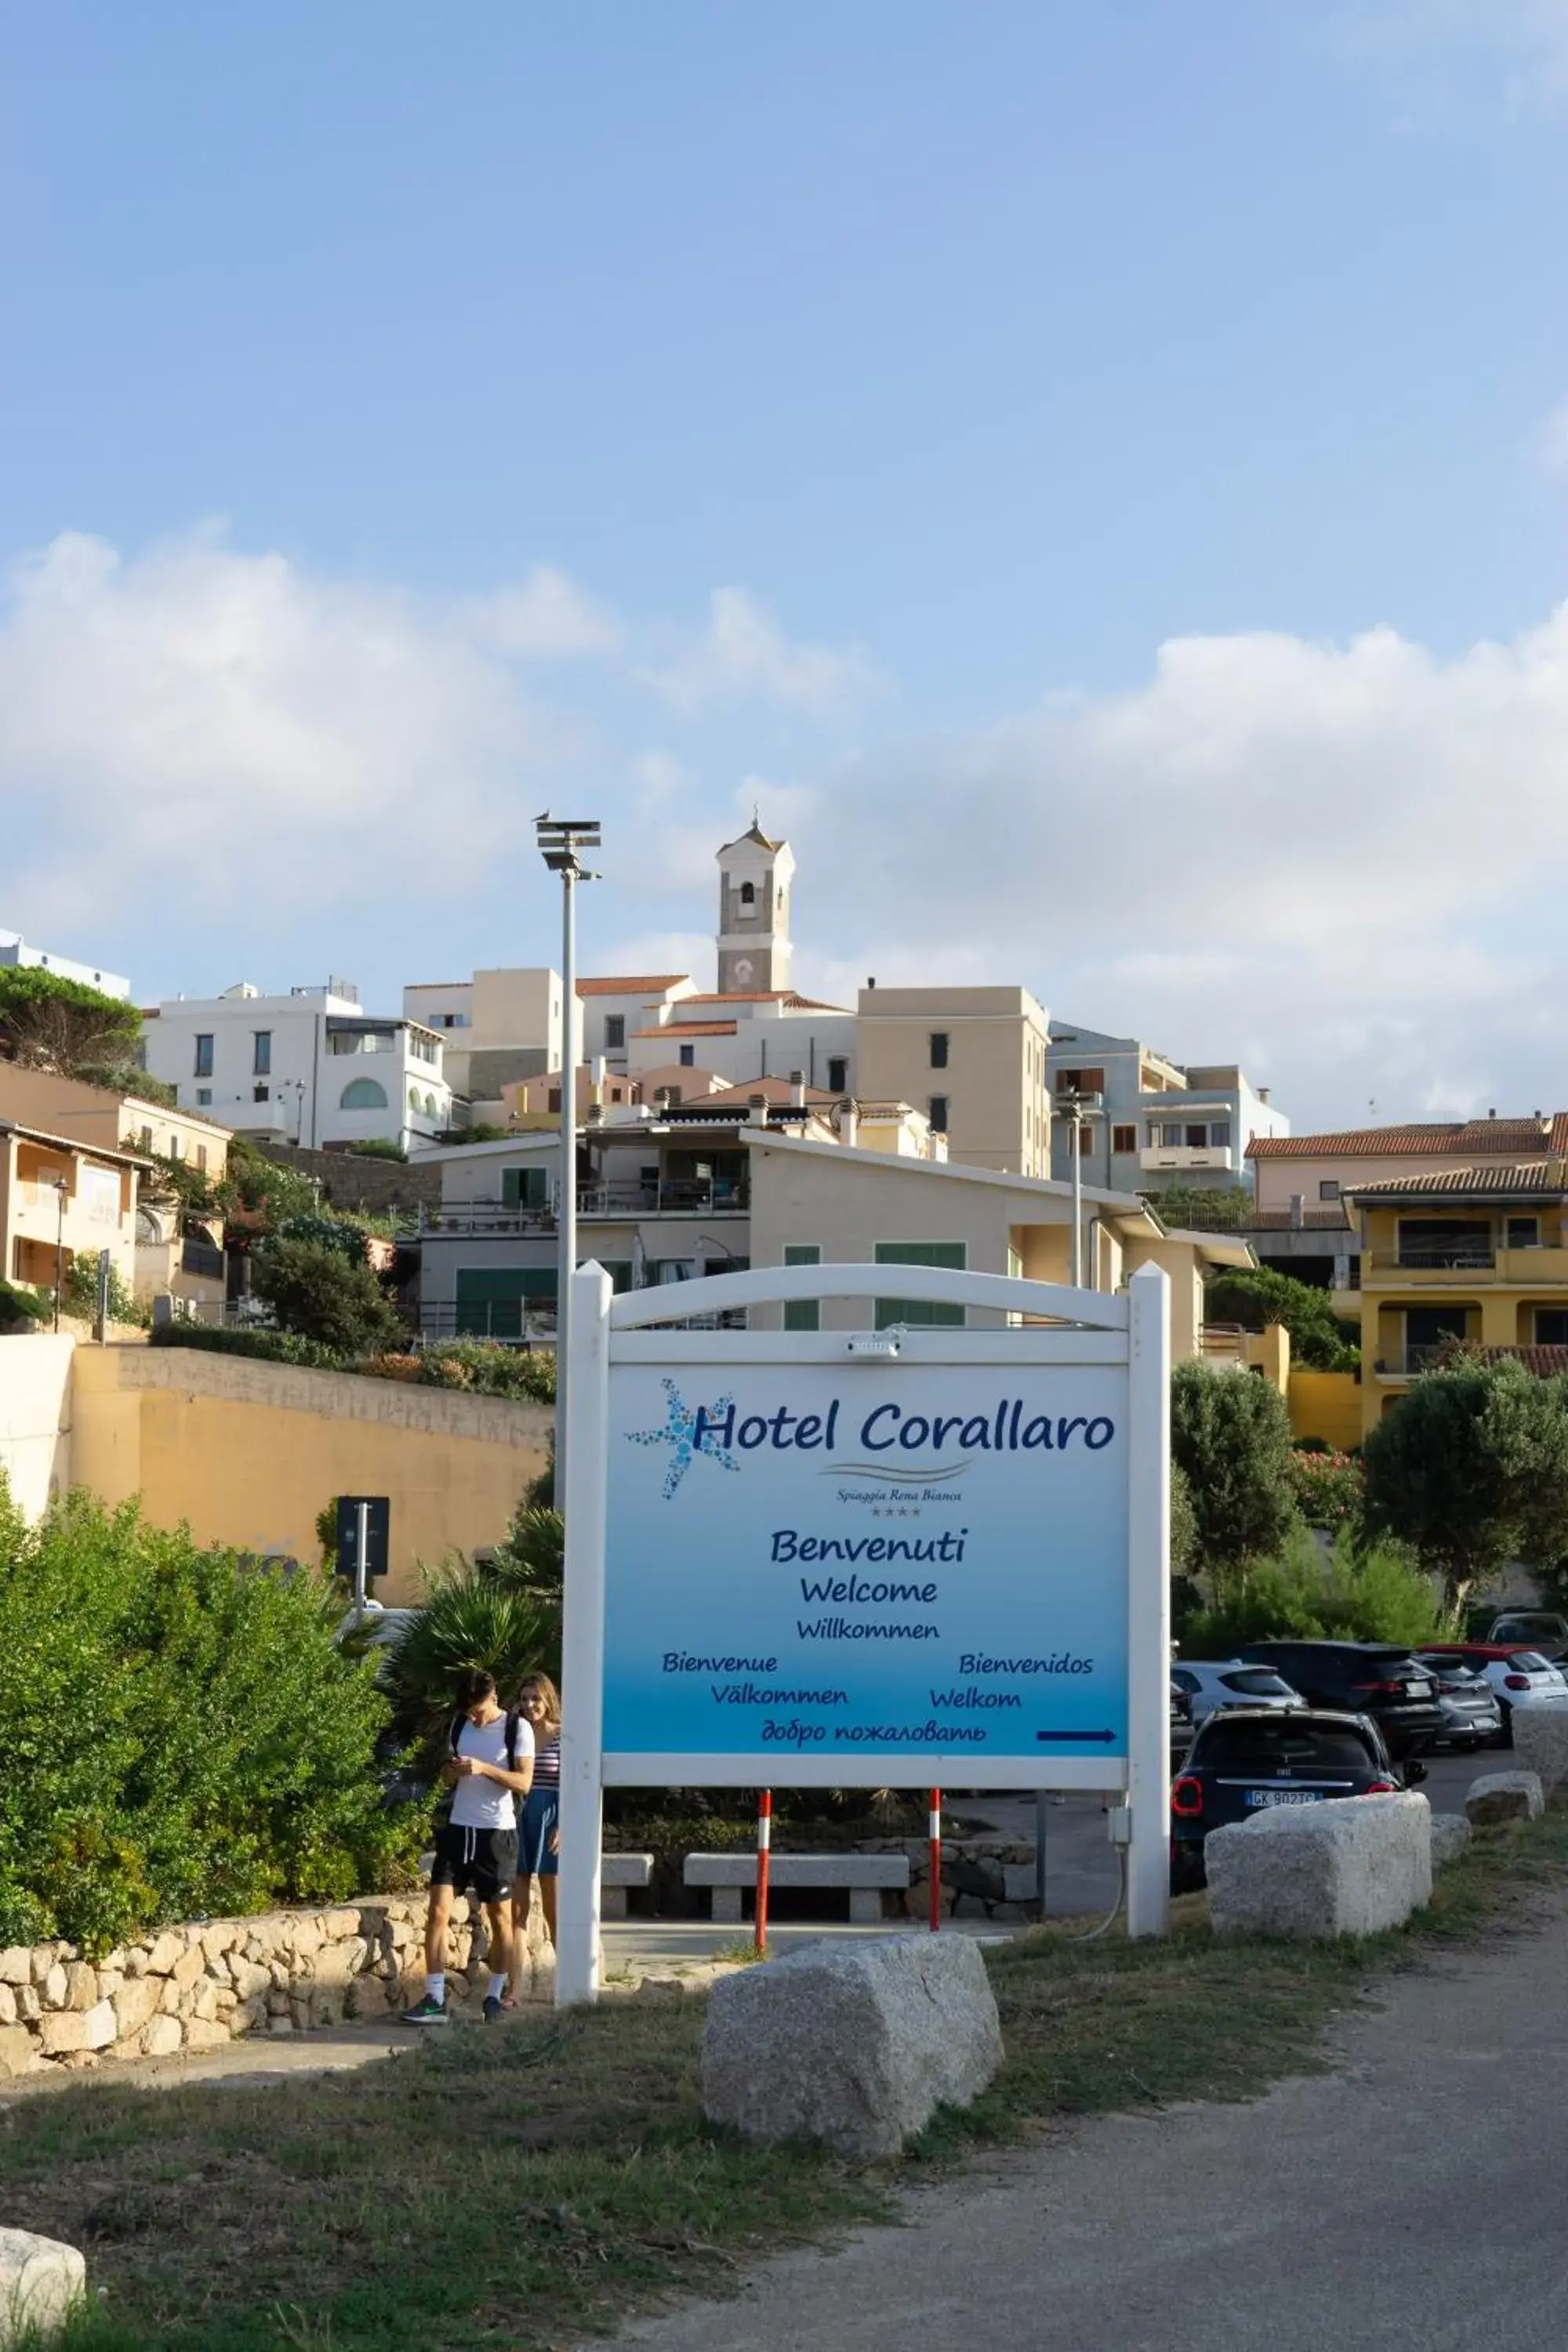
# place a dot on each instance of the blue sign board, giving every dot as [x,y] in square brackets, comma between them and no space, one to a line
[876,1564]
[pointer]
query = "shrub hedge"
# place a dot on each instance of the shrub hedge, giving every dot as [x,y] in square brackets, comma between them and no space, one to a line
[181,1734]
[482,1367]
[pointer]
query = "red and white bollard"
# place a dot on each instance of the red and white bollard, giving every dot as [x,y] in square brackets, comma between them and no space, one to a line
[764,1848]
[935,1829]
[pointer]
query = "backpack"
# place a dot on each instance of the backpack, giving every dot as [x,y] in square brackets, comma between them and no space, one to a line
[513,1720]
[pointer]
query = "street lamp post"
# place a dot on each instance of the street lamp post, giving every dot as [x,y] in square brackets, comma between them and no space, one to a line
[62,1192]
[560,839]
[1080,1108]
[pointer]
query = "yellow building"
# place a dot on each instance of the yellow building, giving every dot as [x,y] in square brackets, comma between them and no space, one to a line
[61,1200]
[1476,1254]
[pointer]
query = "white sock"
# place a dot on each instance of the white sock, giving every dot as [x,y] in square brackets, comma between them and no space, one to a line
[497,1986]
[436,1986]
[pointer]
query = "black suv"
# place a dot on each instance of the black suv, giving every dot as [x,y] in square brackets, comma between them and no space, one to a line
[1246,1759]
[1374,1678]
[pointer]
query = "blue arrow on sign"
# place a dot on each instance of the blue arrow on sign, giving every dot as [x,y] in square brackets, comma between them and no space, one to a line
[1106,1735]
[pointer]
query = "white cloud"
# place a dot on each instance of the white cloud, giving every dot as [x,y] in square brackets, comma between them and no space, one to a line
[214,726]
[743,654]
[1528,36]
[546,617]
[1340,863]
[1549,441]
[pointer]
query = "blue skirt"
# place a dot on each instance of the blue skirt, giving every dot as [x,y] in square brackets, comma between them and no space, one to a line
[540,1816]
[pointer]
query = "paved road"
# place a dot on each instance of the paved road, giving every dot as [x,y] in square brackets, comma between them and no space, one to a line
[1411,2201]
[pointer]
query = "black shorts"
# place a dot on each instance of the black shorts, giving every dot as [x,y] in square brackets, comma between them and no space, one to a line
[481,1861]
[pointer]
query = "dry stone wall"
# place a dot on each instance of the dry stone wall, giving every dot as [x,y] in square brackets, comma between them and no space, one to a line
[981,1878]
[197,1986]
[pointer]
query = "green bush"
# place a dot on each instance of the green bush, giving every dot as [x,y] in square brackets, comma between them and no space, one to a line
[1378,1594]
[379,1146]
[337,1233]
[20,1307]
[1255,1297]
[313,1290]
[181,1734]
[488,1369]
[469,1619]
[1330,1489]
[273,1346]
[80,1296]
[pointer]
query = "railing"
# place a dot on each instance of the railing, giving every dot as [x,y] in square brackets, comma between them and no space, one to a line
[1438,1257]
[677,1196]
[507,1320]
[1408,1363]
[470,1217]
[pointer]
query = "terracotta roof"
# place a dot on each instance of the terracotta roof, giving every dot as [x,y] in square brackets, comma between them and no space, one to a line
[632,985]
[1545,1361]
[1518,1136]
[1531,1177]
[689,1029]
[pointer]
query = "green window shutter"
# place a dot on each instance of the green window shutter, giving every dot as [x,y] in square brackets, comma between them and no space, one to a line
[802,1314]
[491,1299]
[511,1187]
[919,1311]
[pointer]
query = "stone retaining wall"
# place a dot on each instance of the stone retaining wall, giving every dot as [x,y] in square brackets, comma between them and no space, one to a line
[1007,1865]
[196,1987]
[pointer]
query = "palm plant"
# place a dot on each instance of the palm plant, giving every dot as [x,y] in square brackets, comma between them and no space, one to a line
[509,1629]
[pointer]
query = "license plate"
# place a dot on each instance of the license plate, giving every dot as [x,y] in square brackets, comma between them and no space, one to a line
[1282,1797]
[1415,1690]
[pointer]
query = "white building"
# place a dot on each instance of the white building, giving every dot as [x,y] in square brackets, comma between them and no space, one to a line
[312,1066]
[14,950]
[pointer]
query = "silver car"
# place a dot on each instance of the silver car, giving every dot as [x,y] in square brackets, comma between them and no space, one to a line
[1214,1685]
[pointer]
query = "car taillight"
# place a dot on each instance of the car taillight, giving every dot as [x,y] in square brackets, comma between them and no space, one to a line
[1382,1789]
[1187,1798]
[1394,1687]
[1515,1681]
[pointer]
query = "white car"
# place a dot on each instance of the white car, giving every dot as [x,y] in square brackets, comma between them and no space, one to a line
[1214,1685]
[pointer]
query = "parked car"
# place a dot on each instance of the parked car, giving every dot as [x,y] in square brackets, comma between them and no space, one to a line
[1532,1629]
[1180,1719]
[1379,1679]
[1211,1684]
[1472,1714]
[1244,1760]
[1513,1674]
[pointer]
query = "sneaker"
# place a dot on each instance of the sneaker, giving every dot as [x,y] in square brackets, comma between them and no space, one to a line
[428,2011]
[493,2005]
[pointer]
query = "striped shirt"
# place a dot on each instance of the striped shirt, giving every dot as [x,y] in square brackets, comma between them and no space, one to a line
[547,1759]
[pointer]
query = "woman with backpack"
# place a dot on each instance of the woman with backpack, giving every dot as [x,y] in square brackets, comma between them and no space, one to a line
[539,1829]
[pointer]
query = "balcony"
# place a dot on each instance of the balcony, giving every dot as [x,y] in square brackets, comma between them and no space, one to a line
[678,1196]
[1174,1156]
[1459,1259]
[1409,1363]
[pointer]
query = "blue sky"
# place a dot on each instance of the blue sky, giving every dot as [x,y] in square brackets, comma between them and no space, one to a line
[1097,477]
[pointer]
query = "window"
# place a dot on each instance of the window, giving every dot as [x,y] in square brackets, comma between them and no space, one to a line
[203,1097]
[555,1103]
[748,894]
[176,1148]
[491,1301]
[1171,1135]
[1524,1233]
[413,1100]
[838,1073]
[1124,1139]
[147,1139]
[363,1094]
[524,1188]
[614,1031]
[937,1112]
[260,1094]
[1081,1082]
[802,1314]
[919,1311]
[1197,1135]
[203,1055]
[202,1157]
[1551,1327]
[616,1094]
[430,1109]
[1219,1134]
[687,1057]
[1329,1187]
[261,1059]
[939,1049]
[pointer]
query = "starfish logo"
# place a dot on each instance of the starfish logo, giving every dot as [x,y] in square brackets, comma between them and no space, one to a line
[679,1433]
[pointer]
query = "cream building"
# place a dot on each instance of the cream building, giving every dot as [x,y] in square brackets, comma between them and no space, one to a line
[973,1059]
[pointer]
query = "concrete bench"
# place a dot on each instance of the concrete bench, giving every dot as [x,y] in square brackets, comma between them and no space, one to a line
[616,1873]
[863,1877]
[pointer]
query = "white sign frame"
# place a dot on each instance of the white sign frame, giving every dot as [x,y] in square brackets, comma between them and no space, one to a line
[1083,1327]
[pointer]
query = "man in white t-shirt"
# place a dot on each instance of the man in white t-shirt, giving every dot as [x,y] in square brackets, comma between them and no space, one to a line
[490,1769]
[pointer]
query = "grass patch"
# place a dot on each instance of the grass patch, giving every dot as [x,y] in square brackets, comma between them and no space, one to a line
[515,2186]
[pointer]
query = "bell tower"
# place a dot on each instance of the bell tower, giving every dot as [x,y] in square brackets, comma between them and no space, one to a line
[754,951]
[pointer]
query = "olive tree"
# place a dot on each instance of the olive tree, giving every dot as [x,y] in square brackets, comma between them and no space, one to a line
[1230,1439]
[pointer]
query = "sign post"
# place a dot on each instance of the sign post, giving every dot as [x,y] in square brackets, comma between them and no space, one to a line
[930,1558]
[364,1537]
